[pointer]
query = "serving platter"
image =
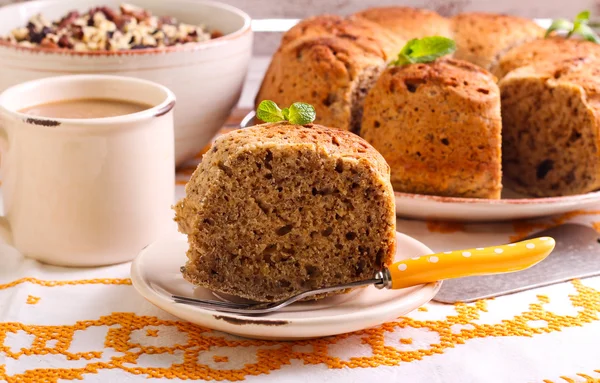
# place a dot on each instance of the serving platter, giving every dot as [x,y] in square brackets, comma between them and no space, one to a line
[511,205]
[155,275]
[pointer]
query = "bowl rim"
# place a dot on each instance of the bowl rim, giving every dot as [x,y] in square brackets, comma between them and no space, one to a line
[188,47]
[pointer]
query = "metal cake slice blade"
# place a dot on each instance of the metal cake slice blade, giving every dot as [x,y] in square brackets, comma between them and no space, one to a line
[576,256]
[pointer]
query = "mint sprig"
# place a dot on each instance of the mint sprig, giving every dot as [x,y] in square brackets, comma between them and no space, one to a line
[298,113]
[579,26]
[424,50]
[268,111]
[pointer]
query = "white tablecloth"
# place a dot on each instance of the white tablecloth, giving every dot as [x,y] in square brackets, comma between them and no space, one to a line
[63,325]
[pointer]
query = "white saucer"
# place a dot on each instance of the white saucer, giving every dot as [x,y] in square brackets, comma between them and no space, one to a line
[155,274]
[510,207]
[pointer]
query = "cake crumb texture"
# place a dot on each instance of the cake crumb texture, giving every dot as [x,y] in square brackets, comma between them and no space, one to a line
[277,209]
[551,117]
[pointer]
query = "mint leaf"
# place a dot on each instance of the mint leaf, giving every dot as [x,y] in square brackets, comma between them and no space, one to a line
[587,33]
[298,113]
[425,50]
[268,111]
[559,25]
[582,17]
[301,113]
[579,26]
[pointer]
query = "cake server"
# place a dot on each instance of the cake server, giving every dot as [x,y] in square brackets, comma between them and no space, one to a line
[577,255]
[414,271]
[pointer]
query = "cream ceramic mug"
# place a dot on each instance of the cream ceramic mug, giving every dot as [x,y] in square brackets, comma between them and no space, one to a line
[86,192]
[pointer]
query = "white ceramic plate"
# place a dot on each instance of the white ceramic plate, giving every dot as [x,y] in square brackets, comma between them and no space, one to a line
[510,207]
[155,274]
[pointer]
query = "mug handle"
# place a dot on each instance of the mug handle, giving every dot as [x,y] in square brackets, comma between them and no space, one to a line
[5,230]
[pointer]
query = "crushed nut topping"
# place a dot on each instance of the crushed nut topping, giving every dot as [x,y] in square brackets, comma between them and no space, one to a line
[103,28]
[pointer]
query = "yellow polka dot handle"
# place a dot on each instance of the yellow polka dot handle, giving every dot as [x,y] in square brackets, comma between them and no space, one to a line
[471,262]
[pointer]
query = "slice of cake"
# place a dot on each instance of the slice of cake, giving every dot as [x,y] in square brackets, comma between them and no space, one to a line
[551,122]
[438,126]
[277,209]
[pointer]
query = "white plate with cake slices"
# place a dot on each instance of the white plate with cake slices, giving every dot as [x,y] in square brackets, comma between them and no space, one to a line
[156,276]
[511,206]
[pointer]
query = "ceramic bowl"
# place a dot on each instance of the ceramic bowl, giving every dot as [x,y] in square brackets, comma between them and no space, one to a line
[206,77]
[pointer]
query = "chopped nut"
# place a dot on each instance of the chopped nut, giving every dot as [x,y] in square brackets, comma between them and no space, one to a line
[170,30]
[130,24]
[106,25]
[149,41]
[77,32]
[64,42]
[109,13]
[88,34]
[48,43]
[39,22]
[103,28]
[20,33]
[68,19]
[137,12]
[37,37]
[81,22]
[52,37]
[98,18]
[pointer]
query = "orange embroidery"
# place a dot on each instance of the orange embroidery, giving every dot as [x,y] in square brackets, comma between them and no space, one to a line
[104,281]
[422,308]
[257,357]
[406,341]
[152,333]
[31,300]
[221,359]
[444,227]
[525,228]
[543,298]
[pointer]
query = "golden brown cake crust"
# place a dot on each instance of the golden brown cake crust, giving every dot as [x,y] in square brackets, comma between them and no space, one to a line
[482,38]
[365,34]
[551,122]
[277,209]
[329,73]
[541,50]
[438,126]
[408,23]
